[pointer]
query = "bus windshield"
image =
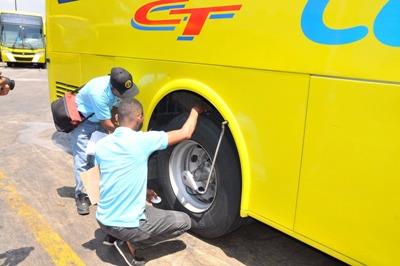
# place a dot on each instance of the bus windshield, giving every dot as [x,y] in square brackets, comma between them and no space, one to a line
[22,36]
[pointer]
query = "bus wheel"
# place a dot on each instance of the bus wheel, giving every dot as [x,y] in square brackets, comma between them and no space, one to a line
[214,212]
[10,64]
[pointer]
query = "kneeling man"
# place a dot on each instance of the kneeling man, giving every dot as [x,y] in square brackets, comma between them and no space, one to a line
[122,157]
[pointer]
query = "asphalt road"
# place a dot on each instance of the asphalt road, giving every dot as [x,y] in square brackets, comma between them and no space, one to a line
[38,221]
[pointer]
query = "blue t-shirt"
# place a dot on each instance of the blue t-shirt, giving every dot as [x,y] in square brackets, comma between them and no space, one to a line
[96,97]
[122,158]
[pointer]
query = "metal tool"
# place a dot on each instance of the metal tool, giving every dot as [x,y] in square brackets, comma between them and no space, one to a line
[188,177]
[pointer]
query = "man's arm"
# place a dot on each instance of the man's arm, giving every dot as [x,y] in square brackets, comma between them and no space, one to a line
[187,129]
[103,113]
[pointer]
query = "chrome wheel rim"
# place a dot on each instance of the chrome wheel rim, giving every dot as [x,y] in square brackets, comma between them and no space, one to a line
[191,156]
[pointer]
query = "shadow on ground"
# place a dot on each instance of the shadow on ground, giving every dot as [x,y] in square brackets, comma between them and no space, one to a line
[256,244]
[62,140]
[23,65]
[109,254]
[15,256]
[66,192]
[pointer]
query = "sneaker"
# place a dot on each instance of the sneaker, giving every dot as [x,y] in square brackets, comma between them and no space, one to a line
[82,204]
[130,260]
[109,240]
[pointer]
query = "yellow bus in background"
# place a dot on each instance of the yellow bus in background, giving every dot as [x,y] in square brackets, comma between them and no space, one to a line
[310,91]
[22,39]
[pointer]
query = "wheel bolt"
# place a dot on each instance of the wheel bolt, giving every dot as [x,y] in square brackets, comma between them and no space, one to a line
[194,158]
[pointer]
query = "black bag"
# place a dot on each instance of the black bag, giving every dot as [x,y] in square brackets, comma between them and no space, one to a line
[65,113]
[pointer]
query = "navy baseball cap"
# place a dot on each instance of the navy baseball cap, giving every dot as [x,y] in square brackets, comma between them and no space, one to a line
[121,80]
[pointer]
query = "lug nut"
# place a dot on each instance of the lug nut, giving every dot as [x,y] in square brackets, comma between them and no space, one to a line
[194,158]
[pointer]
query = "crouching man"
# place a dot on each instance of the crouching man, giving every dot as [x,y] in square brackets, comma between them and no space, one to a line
[122,212]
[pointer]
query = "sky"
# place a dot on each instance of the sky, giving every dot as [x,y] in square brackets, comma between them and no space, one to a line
[32,6]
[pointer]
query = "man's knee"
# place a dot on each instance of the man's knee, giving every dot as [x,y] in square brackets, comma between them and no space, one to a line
[183,221]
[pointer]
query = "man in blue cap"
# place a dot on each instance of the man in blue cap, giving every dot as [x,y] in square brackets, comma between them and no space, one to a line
[95,101]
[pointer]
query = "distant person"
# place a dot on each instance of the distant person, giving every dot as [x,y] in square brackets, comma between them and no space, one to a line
[6,85]
[95,101]
[122,212]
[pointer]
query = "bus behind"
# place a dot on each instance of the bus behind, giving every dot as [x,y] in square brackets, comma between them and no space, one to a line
[22,39]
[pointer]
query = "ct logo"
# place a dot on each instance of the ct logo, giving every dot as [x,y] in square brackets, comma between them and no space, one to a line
[176,13]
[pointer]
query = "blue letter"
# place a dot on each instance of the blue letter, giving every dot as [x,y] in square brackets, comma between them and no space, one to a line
[387,24]
[312,23]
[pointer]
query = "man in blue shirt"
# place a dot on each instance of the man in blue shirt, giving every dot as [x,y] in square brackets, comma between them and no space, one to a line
[122,157]
[95,101]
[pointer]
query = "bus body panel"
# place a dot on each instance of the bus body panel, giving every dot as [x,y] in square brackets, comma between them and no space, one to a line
[349,187]
[65,69]
[262,35]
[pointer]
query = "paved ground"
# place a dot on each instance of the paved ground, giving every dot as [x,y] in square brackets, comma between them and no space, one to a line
[38,221]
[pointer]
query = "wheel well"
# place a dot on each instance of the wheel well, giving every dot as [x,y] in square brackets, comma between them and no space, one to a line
[180,102]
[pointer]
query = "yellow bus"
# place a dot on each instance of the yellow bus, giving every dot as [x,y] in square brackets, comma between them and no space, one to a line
[310,91]
[22,39]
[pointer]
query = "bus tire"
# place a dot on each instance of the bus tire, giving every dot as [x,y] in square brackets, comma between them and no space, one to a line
[220,213]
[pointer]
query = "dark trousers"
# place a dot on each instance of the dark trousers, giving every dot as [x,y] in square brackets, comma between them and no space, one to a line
[160,225]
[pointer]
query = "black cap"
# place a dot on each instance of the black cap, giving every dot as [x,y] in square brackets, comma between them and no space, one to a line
[10,83]
[121,80]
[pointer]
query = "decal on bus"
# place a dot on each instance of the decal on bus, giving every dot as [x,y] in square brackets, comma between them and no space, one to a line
[386,25]
[195,18]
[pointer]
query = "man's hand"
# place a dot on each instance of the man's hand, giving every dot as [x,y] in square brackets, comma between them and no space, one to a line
[5,85]
[200,108]
[150,195]
[187,129]
[4,90]
[191,122]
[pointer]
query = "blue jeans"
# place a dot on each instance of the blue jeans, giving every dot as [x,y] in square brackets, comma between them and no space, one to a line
[79,140]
